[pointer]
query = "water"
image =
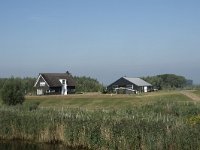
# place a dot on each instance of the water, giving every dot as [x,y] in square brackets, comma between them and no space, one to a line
[18,145]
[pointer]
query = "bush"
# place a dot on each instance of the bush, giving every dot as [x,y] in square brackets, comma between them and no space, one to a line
[12,92]
[87,84]
[104,90]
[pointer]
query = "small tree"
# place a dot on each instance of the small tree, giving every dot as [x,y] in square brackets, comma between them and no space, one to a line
[12,92]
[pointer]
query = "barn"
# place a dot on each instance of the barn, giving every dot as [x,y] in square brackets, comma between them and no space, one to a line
[54,83]
[126,85]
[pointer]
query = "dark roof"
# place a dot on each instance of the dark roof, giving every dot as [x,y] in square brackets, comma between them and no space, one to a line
[53,79]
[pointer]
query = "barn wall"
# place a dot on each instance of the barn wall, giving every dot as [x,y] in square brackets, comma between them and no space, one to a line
[126,84]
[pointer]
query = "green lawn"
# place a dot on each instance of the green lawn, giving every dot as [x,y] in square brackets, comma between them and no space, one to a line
[197,92]
[98,101]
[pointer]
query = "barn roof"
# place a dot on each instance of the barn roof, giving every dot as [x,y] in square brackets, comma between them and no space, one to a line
[53,79]
[137,81]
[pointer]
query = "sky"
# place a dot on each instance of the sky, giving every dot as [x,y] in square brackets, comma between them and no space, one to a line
[103,39]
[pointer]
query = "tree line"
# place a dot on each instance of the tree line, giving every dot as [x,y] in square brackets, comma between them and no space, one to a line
[83,84]
[13,90]
[27,83]
[87,84]
[166,81]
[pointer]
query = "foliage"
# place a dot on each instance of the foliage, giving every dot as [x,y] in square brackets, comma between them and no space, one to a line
[27,83]
[166,81]
[104,90]
[2,81]
[169,123]
[194,120]
[32,105]
[87,84]
[12,92]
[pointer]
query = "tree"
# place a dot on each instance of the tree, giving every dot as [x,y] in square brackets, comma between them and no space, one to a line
[2,81]
[12,92]
[166,81]
[28,84]
[87,84]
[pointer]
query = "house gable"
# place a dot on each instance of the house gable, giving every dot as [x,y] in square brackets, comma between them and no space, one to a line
[39,80]
[122,82]
[54,83]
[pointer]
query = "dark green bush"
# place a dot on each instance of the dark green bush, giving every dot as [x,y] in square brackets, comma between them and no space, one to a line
[12,92]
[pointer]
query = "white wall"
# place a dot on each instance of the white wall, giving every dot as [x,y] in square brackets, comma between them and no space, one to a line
[64,86]
[145,89]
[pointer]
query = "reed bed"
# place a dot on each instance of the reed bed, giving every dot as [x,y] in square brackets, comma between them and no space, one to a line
[160,125]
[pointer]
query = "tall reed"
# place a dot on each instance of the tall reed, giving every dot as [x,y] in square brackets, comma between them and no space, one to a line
[162,125]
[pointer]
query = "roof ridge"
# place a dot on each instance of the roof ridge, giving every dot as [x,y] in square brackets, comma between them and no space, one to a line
[52,73]
[132,77]
[137,81]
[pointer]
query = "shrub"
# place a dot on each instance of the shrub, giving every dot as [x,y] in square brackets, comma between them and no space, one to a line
[12,92]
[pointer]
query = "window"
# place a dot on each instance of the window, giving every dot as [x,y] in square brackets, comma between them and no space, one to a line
[63,81]
[42,83]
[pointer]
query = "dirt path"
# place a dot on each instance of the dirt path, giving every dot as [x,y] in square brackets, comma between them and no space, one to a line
[191,95]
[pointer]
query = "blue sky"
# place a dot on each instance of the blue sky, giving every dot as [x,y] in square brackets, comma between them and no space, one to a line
[104,39]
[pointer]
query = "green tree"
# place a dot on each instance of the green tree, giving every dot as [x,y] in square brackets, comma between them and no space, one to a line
[87,84]
[12,92]
[2,81]
[166,81]
[28,84]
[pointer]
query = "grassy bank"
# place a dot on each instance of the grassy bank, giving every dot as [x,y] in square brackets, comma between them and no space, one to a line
[197,92]
[101,101]
[159,122]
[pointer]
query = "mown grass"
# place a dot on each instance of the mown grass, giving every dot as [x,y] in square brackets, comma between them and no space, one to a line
[197,92]
[99,101]
[163,120]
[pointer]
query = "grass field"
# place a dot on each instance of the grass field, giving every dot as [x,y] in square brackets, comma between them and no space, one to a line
[157,120]
[197,92]
[98,101]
